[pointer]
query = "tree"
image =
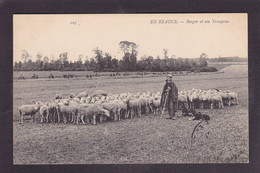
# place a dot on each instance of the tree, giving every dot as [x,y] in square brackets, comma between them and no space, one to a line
[202,60]
[86,63]
[156,64]
[25,55]
[187,64]
[126,62]
[46,59]
[141,63]
[172,64]
[38,63]
[93,65]
[46,63]
[18,66]
[204,55]
[52,63]
[165,53]
[194,65]
[79,62]
[52,58]
[147,63]
[80,58]
[57,65]
[99,58]
[166,66]
[129,49]
[107,61]
[115,64]
[133,62]
[63,60]
[29,65]
[38,57]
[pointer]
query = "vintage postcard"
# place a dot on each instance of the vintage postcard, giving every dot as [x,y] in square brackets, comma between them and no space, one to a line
[130,88]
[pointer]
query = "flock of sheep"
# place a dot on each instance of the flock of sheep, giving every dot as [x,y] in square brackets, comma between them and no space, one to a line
[103,106]
[201,99]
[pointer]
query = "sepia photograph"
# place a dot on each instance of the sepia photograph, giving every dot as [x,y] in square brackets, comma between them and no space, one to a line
[130,88]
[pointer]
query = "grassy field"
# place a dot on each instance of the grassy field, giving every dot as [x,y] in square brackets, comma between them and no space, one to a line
[221,65]
[77,74]
[148,139]
[104,75]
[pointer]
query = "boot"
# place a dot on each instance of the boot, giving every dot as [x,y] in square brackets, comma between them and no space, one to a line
[173,116]
[169,117]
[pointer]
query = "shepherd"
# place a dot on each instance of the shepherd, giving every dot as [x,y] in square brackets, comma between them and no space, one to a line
[169,98]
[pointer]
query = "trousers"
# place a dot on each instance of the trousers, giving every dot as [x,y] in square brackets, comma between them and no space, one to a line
[172,107]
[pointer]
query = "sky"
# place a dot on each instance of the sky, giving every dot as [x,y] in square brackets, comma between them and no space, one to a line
[183,35]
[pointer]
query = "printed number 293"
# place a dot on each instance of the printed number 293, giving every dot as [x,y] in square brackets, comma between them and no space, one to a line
[73,22]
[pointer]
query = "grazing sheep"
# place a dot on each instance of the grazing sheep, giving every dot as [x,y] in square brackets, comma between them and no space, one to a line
[83,100]
[76,100]
[29,110]
[112,108]
[216,99]
[90,111]
[87,100]
[52,111]
[156,105]
[122,108]
[72,95]
[203,99]
[74,103]
[133,107]
[82,94]
[101,104]
[44,112]
[66,112]
[100,92]
[58,104]
[232,96]
[182,100]
[225,98]
[58,96]
[193,100]
[144,105]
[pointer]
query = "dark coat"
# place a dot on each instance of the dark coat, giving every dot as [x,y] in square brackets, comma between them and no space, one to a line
[172,96]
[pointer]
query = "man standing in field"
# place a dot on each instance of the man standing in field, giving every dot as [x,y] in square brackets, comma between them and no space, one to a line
[169,97]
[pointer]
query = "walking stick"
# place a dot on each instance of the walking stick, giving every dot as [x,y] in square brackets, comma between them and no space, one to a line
[164,103]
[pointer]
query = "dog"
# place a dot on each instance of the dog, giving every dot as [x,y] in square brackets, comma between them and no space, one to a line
[194,115]
[186,112]
[200,116]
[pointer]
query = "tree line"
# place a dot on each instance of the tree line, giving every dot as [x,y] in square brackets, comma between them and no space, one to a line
[103,61]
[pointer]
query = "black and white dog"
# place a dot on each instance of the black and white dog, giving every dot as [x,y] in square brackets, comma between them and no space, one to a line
[194,115]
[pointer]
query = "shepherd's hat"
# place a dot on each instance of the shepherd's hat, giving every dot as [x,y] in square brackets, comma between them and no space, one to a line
[169,75]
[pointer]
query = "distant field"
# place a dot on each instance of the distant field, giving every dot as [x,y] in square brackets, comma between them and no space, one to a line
[45,74]
[221,65]
[148,139]
[83,74]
